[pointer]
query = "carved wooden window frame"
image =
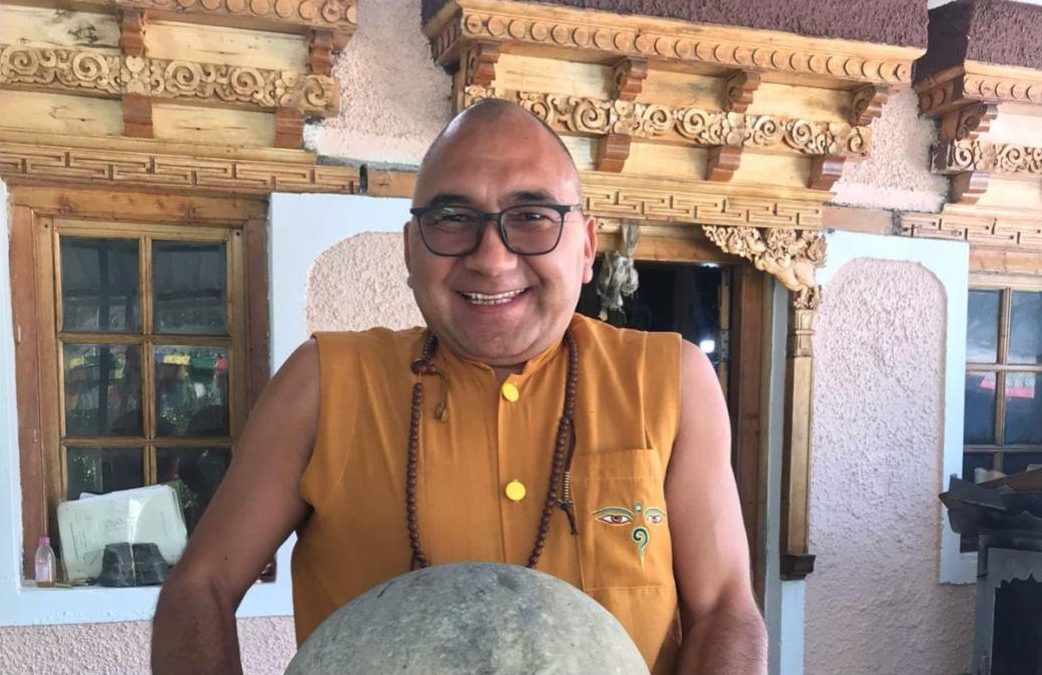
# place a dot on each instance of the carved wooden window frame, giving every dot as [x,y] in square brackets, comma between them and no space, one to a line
[1005,284]
[34,212]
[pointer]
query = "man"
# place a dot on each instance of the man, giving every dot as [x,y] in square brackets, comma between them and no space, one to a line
[514,431]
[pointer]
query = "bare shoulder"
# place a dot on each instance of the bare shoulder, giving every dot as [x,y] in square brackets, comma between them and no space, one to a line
[704,422]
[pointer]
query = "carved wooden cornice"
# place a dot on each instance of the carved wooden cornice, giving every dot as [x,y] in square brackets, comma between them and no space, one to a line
[978,228]
[339,17]
[100,73]
[597,117]
[601,34]
[613,196]
[974,155]
[115,162]
[790,255]
[977,82]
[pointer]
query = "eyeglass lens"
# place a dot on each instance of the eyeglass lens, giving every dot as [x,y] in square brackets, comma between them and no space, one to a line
[528,230]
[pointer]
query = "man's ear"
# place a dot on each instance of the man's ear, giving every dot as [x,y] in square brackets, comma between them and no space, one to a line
[589,248]
[405,251]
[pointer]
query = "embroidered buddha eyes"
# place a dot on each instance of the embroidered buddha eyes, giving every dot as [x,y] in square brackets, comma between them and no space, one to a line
[620,515]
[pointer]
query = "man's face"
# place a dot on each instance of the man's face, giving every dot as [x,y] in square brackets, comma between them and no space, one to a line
[490,166]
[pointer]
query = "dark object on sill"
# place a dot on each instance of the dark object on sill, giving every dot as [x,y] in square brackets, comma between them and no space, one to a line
[125,564]
[974,509]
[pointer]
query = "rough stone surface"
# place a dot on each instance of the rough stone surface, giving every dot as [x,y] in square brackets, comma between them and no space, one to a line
[360,283]
[873,603]
[470,618]
[896,174]
[394,98]
[895,22]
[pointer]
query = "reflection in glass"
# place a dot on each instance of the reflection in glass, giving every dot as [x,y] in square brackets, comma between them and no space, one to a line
[191,391]
[101,470]
[982,328]
[976,460]
[199,470]
[979,418]
[1015,462]
[1023,408]
[1025,328]
[99,285]
[189,281]
[102,390]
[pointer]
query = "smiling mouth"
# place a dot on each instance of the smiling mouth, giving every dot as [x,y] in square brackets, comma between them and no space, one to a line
[493,299]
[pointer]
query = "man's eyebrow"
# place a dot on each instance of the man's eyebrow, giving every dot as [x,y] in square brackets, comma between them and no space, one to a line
[530,197]
[449,198]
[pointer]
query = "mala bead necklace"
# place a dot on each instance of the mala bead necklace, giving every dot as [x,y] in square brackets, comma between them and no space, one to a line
[559,490]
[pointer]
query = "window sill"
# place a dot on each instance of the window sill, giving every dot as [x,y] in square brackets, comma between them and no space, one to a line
[23,604]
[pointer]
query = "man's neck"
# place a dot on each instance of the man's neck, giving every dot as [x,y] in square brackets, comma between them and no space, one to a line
[503,372]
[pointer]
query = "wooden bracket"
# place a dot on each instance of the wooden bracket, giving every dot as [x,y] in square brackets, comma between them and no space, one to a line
[967,188]
[796,566]
[723,161]
[137,116]
[612,152]
[824,171]
[967,123]
[628,79]
[739,89]
[289,128]
[132,32]
[480,64]
[320,51]
[866,104]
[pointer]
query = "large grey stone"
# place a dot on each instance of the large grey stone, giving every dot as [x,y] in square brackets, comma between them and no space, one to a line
[470,618]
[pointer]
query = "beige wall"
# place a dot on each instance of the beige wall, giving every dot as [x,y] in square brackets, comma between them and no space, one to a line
[873,604]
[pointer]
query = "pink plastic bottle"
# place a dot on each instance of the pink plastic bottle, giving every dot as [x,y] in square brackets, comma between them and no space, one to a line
[45,564]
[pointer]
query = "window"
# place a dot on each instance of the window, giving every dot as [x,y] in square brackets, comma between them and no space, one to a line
[1003,419]
[143,359]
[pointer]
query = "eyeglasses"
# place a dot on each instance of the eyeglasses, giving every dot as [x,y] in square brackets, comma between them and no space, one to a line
[527,229]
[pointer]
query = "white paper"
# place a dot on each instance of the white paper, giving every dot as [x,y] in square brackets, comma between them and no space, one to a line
[142,515]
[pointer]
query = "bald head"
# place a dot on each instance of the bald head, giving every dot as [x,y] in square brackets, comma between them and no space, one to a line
[494,116]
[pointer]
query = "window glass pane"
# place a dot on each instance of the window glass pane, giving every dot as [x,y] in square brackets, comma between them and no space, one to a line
[976,460]
[982,330]
[979,419]
[189,280]
[1023,408]
[1025,328]
[102,390]
[99,285]
[191,391]
[101,470]
[201,471]
[1015,462]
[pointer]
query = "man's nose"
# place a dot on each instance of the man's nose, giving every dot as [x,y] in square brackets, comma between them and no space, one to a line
[491,257]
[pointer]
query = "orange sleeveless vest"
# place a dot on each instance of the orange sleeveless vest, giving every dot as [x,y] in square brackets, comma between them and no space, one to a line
[627,414]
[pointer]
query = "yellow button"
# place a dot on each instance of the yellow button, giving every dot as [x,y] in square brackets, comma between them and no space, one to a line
[515,490]
[510,391]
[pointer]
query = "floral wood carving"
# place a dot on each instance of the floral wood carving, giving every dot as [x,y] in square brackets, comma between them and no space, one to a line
[101,73]
[791,256]
[114,167]
[974,155]
[596,117]
[594,32]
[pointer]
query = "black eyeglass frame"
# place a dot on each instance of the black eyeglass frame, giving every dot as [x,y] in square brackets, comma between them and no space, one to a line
[562,210]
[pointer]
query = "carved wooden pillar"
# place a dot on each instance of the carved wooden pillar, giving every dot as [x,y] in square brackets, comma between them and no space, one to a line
[137,107]
[791,256]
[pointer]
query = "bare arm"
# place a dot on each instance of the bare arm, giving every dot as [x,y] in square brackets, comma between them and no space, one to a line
[723,629]
[252,513]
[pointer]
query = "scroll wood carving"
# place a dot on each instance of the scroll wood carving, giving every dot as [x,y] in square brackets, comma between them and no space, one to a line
[628,79]
[596,117]
[866,104]
[101,73]
[791,256]
[595,32]
[481,64]
[739,89]
[974,155]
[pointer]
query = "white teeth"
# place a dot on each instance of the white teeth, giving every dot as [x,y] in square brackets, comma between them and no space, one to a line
[497,299]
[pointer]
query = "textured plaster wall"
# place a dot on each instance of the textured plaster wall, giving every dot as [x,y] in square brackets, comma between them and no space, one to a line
[360,283]
[873,604]
[896,174]
[267,645]
[390,88]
